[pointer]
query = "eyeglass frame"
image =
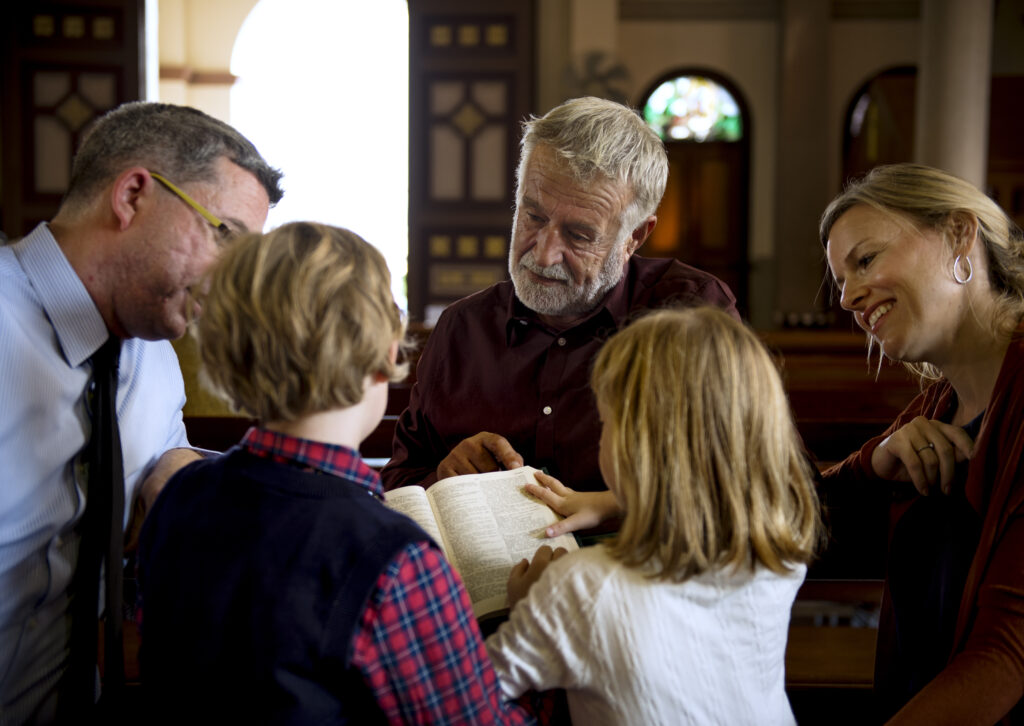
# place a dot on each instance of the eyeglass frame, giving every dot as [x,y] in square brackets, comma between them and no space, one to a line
[205,213]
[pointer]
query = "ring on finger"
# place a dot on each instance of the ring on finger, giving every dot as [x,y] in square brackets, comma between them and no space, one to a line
[929,445]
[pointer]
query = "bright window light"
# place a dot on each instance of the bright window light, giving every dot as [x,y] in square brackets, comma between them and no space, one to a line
[323,92]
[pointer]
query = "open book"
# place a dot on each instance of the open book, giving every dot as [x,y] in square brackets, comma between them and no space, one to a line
[485,523]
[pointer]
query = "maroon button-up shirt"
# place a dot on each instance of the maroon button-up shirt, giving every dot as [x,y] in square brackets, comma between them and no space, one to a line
[491,365]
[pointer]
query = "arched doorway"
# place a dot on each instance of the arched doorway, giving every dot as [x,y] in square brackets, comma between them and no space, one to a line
[879,124]
[702,220]
[879,129]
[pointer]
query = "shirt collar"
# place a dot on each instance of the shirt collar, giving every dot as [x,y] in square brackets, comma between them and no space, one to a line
[612,311]
[77,323]
[339,461]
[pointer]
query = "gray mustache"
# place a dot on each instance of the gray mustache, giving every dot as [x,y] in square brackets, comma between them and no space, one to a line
[552,272]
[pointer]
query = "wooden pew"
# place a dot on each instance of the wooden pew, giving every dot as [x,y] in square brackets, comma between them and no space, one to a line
[830,664]
[839,399]
[219,433]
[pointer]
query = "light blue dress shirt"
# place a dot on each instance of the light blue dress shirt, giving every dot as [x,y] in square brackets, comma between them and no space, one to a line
[49,328]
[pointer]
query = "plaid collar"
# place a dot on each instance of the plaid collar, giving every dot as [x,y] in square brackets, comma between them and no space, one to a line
[339,461]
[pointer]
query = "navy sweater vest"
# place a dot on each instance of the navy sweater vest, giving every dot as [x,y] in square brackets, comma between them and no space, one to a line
[253,575]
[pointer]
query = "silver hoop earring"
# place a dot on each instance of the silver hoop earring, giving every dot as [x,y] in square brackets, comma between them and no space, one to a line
[956,267]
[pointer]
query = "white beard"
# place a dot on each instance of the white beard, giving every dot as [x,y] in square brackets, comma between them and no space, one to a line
[570,298]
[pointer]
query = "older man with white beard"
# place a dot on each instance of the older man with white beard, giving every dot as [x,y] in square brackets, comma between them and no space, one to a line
[503,377]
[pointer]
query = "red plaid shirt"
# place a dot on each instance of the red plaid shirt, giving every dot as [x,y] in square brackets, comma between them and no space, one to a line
[418,645]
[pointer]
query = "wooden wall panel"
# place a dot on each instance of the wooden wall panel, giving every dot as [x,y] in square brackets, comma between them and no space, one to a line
[470,87]
[64,64]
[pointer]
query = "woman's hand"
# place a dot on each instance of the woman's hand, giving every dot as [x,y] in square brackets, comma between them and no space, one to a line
[526,573]
[924,452]
[581,510]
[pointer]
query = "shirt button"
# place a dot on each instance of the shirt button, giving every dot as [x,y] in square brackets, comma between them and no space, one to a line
[547,410]
[561,341]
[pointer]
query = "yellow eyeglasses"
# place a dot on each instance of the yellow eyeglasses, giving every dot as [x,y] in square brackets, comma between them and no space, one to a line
[206,214]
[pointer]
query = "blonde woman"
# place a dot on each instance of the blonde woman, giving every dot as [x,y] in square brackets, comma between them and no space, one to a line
[933,271]
[682,618]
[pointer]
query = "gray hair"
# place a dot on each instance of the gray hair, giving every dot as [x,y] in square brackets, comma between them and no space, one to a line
[179,141]
[596,136]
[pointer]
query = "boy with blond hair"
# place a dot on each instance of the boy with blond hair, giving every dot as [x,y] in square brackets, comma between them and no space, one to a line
[276,586]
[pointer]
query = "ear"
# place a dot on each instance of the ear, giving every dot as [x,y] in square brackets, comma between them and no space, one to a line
[639,235]
[130,186]
[964,228]
[380,377]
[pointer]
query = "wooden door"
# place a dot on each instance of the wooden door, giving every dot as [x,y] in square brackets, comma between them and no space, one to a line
[702,219]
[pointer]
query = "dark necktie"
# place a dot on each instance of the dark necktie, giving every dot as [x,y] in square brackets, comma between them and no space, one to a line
[102,540]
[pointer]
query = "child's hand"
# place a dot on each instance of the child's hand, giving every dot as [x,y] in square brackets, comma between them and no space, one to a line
[581,510]
[526,573]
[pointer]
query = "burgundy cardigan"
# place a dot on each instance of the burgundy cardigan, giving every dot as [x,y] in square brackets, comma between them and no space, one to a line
[984,679]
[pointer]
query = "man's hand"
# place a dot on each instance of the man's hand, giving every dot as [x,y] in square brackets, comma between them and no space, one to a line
[168,463]
[477,454]
[924,452]
[582,510]
[526,573]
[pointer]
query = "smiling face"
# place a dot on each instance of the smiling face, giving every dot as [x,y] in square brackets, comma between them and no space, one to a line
[897,281]
[568,248]
[165,260]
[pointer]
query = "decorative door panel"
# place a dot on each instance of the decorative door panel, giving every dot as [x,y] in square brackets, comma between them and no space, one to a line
[64,65]
[470,84]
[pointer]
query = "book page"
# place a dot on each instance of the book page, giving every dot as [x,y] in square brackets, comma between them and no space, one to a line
[490,523]
[412,501]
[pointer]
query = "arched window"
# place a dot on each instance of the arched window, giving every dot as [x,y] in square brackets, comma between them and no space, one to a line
[327,101]
[702,219]
[693,108]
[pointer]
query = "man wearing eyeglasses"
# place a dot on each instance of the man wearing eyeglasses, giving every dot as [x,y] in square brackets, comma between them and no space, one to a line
[155,190]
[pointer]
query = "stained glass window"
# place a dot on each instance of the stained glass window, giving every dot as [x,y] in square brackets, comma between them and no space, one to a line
[693,108]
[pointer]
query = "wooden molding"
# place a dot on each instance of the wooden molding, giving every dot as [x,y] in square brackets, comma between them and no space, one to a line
[197,78]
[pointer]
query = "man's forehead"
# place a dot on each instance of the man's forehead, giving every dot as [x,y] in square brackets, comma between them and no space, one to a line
[243,198]
[601,199]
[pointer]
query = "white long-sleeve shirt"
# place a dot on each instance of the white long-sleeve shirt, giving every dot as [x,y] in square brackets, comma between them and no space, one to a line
[632,650]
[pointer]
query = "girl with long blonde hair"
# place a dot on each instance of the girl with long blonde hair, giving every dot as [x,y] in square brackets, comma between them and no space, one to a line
[683,616]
